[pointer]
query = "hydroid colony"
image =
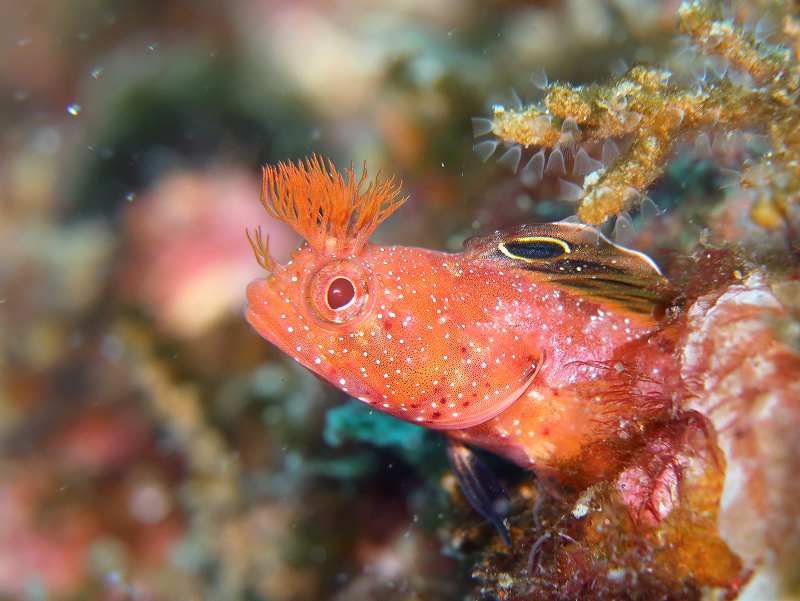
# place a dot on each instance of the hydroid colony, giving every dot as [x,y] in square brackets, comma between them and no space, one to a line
[645,111]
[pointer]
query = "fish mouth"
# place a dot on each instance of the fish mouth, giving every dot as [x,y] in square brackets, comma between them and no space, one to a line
[260,299]
[259,296]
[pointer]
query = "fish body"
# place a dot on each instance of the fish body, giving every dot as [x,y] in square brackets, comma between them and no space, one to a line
[553,347]
[536,343]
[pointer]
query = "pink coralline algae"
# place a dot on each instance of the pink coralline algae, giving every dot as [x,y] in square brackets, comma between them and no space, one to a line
[186,257]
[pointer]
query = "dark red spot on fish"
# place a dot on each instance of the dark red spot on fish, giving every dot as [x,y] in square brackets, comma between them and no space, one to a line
[436,415]
[340,293]
[387,325]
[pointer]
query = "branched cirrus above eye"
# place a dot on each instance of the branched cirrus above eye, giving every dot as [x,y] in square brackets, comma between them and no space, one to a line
[340,293]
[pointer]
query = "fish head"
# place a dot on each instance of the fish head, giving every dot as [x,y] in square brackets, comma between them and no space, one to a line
[402,329]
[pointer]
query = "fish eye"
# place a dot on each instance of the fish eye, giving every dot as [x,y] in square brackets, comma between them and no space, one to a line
[341,293]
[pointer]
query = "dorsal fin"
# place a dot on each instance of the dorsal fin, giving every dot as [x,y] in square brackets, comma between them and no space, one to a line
[582,259]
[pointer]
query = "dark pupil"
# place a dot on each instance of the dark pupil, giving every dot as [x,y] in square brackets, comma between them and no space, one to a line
[538,249]
[340,292]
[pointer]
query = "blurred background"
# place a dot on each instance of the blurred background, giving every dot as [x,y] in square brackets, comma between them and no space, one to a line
[155,448]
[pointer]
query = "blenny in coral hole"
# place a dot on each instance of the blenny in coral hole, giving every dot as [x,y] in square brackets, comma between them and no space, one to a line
[546,344]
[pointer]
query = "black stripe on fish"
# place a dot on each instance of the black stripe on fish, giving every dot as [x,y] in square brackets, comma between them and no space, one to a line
[582,259]
[534,248]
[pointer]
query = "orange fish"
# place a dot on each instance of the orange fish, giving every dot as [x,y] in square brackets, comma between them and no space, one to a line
[535,343]
[546,344]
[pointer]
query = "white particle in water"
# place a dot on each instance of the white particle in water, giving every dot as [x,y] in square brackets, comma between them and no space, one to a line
[74,109]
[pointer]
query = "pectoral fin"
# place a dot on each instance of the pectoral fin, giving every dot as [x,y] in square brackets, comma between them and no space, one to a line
[480,487]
